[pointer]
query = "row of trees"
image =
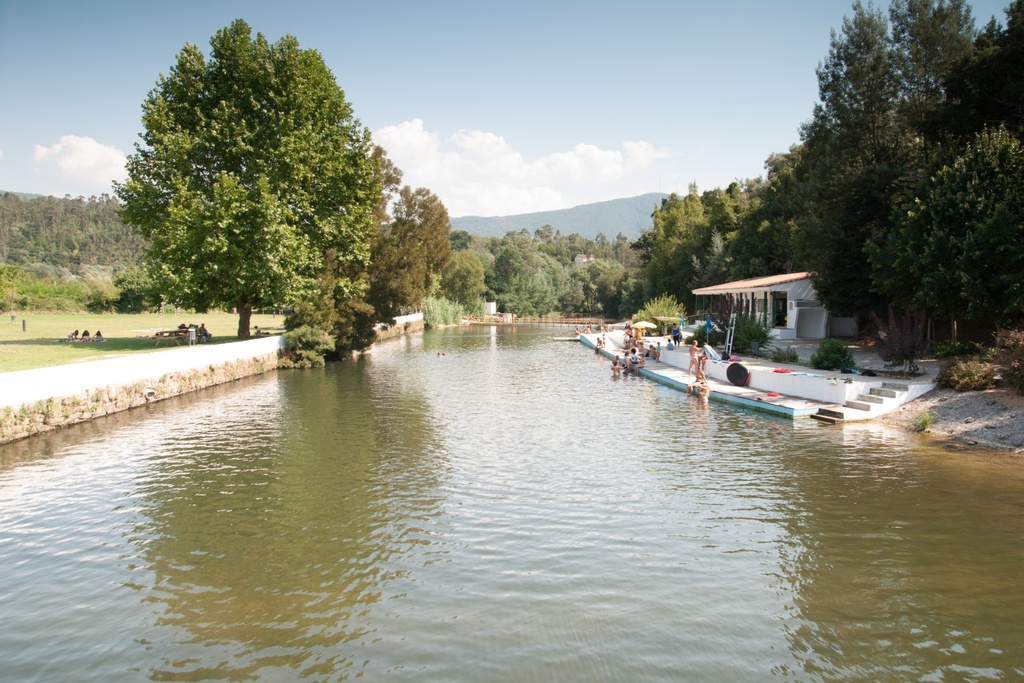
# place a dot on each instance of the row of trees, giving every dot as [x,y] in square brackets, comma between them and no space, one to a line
[535,274]
[907,187]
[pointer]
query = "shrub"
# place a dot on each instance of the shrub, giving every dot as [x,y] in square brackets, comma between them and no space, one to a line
[101,295]
[664,306]
[439,312]
[966,375]
[923,420]
[1011,340]
[832,354]
[307,347]
[948,349]
[1014,375]
[751,328]
[785,354]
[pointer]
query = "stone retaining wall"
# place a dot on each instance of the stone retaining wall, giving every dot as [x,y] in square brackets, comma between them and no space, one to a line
[404,324]
[36,401]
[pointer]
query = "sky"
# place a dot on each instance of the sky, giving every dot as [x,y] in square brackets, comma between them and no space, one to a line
[497,108]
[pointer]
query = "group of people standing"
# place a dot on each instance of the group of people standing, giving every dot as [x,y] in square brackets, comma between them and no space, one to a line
[637,353]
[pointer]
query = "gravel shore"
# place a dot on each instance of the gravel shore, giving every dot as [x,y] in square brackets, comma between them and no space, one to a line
[991,419]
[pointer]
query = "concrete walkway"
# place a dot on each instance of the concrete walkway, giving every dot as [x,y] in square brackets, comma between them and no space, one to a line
[787,390]
[29,386]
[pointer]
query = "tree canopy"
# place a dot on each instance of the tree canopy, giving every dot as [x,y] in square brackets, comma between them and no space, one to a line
[252,168]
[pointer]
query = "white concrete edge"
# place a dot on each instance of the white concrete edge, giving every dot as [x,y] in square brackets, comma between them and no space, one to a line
[29,386]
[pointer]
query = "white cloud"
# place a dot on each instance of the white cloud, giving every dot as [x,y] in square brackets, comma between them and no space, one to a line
[1,155]
[476,172]
[80,163]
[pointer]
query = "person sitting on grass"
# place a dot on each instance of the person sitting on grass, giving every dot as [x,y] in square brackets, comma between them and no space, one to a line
[86,336]
[98,337]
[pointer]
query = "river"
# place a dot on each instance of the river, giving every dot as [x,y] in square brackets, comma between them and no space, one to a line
[489,505]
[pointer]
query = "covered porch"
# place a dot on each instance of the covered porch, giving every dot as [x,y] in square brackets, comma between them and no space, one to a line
[787,302]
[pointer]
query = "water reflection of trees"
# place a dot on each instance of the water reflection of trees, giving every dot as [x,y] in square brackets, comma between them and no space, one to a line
[277,533]
[904,563]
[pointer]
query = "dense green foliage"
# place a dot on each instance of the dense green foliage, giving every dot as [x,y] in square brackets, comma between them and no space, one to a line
[307,347]
[442,312]
[544,272]
[832,354]
[252,168]
[66,233]
[907,185]
[664,306]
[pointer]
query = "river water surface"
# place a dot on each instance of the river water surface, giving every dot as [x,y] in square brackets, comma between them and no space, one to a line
[505,511]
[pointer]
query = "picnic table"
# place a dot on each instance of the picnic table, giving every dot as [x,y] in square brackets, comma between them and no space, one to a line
[177,336]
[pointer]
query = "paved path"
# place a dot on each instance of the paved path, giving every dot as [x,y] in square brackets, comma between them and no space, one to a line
[28,386]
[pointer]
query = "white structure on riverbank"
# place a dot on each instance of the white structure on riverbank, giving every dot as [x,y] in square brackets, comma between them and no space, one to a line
[788,301]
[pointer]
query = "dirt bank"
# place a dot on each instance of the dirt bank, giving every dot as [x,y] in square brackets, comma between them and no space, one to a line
[993,419]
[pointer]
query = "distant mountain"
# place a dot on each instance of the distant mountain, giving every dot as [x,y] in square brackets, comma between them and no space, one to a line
[629,216]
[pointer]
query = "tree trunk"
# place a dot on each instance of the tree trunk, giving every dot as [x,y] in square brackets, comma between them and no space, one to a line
[244,315]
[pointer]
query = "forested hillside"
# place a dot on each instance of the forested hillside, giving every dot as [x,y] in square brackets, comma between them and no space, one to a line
[65,233]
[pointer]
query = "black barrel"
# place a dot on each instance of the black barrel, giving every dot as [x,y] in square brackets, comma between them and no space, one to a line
[737,374]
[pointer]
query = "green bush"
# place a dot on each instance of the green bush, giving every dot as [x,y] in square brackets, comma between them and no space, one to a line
[440,312]
[785,354]
[1014,375]
[966,375]
[923,420]
[306,347]
[832,354]
[950,348]
[664,306]
[751,328]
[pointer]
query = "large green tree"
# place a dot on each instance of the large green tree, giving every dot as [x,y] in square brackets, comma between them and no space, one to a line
[965,243]
[252,169]
[462,280]
[409,253]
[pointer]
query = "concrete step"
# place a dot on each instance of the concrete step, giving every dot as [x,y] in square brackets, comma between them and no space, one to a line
[829,413]
[827,419]
[871,398]
[896,386]
[858,405]
[887,393]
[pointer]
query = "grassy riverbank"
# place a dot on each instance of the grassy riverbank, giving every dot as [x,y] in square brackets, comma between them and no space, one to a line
[31,340]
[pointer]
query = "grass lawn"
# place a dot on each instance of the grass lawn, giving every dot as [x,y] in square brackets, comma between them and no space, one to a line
[39,346]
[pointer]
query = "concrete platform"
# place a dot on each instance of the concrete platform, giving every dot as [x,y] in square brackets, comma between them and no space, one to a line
[786,390]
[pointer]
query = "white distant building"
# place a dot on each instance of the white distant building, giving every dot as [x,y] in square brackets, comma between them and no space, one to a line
[789,302]
[580,259]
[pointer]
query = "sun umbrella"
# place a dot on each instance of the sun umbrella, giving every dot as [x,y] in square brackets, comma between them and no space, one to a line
[645,324]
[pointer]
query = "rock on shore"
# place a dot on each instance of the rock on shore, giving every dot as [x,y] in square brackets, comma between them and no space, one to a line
[992,419]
